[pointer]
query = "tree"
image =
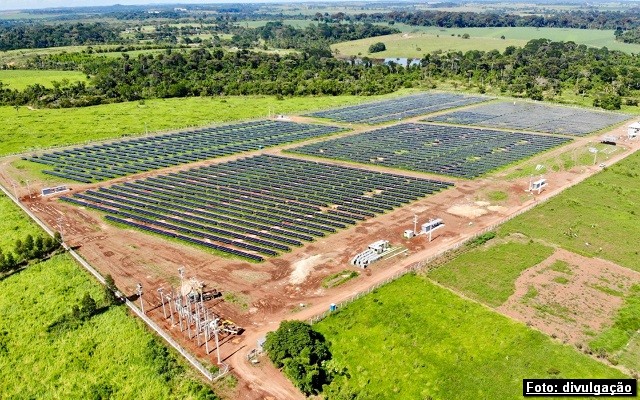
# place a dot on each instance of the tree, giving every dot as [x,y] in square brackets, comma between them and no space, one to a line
[88,307]
[301,352]
[57,237]
[377,47]
[27,246]
[10,262]
[109,291]
[3,262]
[18,248]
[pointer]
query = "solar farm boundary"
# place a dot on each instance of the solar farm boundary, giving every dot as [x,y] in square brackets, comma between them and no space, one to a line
[425,263]
[127,136]
[190,358]
[501,99]
[406,95]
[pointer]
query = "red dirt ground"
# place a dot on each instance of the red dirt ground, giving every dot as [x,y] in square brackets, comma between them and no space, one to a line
[570,305]
[259,296]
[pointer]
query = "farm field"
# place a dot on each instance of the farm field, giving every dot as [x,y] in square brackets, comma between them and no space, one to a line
[264,205]
[20,79]
[397,109]
[533,117]
[416,41]
[121,158]
[417,339]
[453,151]
[27,130]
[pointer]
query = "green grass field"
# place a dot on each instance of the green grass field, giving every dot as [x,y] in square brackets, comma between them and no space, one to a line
[15,224]
[76,363]
[489,274]
[416,45]
[422,341]
[108,352]
[17,56]
[429,39]
[596,218]
[26,130]
[20,79]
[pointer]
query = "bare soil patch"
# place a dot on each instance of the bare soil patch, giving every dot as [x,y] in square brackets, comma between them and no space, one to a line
[569,296]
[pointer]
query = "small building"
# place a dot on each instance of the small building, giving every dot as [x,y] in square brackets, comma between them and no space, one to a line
[633,130]
[609,139]
[538,185]
[432,225]
[380,246]
[372,254]
[408,234]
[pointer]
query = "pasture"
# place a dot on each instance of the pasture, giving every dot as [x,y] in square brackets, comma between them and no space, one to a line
[26,130]
[416,41]
[416,45]
[19,79]
[423,341]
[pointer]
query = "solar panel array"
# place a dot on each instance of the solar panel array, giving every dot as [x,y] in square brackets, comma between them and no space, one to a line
[107,161]
[533,117]
[447,150]
[258,206]
[399,108]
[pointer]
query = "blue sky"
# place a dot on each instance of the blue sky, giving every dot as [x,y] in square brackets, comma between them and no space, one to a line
[23,4]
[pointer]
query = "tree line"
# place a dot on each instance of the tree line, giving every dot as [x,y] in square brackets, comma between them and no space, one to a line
[581,19]
[27,250]
[32,36]
[208,72]
[541,70]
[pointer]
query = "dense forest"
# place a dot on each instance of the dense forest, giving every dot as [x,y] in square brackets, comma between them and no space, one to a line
[540,70]
[449,19]
[30,36]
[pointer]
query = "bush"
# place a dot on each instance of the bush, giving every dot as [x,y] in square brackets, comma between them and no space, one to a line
[482,239]
[608,102]
[301,352]
[377,47]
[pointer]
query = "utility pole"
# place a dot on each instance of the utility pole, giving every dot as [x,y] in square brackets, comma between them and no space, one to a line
[215,333]
[15,193]
[415,224]
[139,291]
[164,311]
[430,228]
[181,273]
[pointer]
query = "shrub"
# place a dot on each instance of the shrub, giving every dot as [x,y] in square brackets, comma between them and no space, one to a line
[377,47]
